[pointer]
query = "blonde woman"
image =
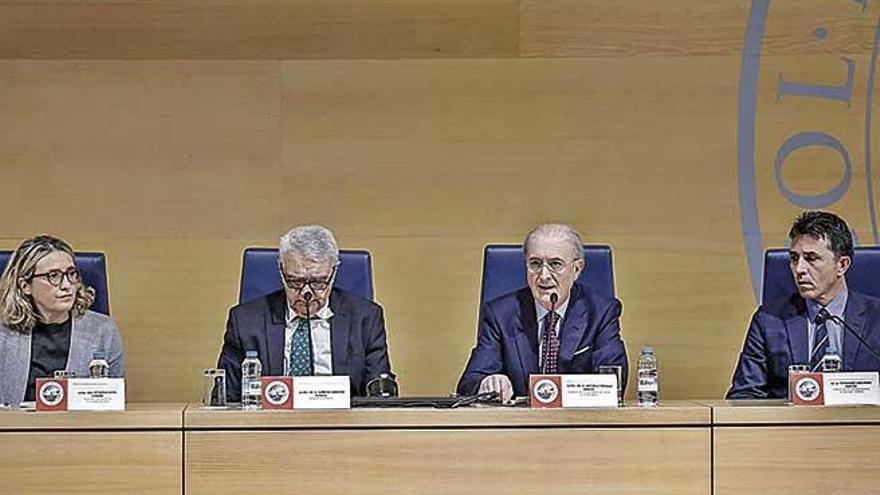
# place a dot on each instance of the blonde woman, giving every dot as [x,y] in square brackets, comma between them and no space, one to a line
[45,323]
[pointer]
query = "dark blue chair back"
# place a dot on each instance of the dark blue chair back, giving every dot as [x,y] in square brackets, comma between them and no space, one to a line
[504,270]
[863,276]
[260,275]
[94,268]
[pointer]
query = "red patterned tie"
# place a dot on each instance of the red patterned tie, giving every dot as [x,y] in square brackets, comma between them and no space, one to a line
[550,344]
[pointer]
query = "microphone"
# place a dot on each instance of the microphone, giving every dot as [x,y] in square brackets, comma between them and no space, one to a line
[824,315]
[308,298]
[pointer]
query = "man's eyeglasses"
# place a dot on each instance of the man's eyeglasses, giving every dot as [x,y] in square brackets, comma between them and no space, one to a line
[55,277]
[555,265]
[316,285]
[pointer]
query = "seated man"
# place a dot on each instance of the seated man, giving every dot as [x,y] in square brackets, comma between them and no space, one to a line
[785,332]
[552,326]
[309,327]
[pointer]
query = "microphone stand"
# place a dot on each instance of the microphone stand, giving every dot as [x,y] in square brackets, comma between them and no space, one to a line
[308,298]
[824,314]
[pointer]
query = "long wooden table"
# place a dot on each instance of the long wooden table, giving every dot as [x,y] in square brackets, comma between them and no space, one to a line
[138,451]
[473,451]
[698,447]
[770,448]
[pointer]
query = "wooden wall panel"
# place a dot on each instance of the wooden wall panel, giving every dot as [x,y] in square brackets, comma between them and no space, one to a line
[814,170]
[259,29]
[634,28]
[140,149]
[438,158]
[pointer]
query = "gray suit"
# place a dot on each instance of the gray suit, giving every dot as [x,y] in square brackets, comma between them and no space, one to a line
[89,333]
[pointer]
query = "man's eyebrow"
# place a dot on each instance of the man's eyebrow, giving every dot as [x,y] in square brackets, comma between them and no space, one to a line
[805,253]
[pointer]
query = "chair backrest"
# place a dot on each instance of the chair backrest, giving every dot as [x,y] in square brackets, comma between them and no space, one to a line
[260,276]
[94,268]
[863,276]
[504,270]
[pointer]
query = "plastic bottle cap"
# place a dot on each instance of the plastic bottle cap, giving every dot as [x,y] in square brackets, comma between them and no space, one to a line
[250,354]
[99,355]
[647,350]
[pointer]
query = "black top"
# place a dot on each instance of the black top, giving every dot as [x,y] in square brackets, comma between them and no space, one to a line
[50,346]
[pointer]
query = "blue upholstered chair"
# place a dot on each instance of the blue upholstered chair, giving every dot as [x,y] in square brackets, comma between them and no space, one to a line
[94,268]
[260,275]
[863,276]
[504,270]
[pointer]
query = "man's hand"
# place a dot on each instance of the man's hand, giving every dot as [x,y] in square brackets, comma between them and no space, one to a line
[498,383]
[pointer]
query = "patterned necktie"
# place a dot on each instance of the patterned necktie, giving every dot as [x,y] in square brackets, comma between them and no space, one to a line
[301,350]
[549,344]
[820,346]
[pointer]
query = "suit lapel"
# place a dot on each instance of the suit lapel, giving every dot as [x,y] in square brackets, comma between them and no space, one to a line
[796,330]
[526,334]
[15,361]
[340,331]
[276,324]
[572,329]
[854,315]
[78,345]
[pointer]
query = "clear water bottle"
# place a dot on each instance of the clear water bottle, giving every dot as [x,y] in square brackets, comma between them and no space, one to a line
[251,370]
[831,360]
[649,386]
[98,366]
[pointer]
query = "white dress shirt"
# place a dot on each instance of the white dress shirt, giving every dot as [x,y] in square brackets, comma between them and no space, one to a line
[321,354]
[836,307]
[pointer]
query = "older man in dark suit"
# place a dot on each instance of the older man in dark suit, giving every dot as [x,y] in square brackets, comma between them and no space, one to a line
[552,326]
[308,328]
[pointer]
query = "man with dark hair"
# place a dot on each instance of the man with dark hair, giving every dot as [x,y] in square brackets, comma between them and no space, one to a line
[787,332]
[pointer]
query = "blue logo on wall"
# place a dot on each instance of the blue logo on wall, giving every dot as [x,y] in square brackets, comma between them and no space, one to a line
[786,89]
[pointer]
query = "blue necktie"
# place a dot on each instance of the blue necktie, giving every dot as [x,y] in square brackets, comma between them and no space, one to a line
[301,350]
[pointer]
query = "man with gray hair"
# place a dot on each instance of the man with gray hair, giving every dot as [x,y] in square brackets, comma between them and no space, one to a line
[553,326]
[309,327]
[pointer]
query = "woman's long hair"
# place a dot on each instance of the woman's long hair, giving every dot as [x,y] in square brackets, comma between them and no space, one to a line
[17,309]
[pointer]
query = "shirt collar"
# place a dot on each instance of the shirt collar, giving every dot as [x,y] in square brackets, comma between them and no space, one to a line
[836,307]
[560,310]
[322,314]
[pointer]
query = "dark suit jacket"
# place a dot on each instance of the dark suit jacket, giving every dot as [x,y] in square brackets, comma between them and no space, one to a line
[357,339]
[777,338]
[507,339]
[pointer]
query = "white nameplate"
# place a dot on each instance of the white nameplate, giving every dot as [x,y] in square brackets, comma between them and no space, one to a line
[851,388]
[96,394]
[589,390]
[321,392]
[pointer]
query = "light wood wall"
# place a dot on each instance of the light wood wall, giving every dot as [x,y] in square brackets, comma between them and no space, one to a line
[173,134]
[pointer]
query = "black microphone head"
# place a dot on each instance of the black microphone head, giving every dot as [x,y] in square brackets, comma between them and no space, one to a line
[822,316]
[553,298]
[307,296]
